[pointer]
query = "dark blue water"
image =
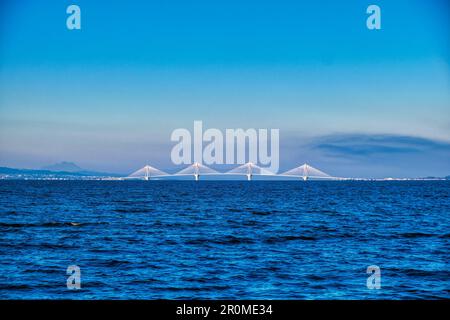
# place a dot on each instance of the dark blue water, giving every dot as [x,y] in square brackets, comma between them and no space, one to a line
[224,239]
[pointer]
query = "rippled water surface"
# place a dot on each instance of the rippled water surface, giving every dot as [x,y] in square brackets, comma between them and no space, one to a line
[224,239]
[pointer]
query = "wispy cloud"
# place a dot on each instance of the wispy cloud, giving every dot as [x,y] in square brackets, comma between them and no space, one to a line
[369,155]
[364,145]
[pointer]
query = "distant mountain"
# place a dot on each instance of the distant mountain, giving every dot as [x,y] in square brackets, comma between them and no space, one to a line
[13,171]
[63,169]
[70,167]
[433,177]
[63,166]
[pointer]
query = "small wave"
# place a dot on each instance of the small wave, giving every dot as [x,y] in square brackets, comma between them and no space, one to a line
[113,263]
[48,224]
[289,238]
[9,212]
[32,245]
[15,287]
[416,235]
[194,289]
[169,242]
[226,241]
[315,277]
[439,274]
[234,240]
[134,210]
[251,223]
[271,269]
[261,213]
[42,270]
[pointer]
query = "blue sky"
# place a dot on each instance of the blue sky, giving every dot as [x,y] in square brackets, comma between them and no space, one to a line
[108,96]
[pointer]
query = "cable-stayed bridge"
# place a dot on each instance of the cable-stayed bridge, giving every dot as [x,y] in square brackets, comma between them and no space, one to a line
[303,172]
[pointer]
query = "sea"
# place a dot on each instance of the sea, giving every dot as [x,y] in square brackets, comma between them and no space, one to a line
[225,239]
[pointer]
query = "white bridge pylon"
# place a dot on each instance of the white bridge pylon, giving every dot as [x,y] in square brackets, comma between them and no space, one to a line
[305,172]
[249,169]
[196,170]
[147,172]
